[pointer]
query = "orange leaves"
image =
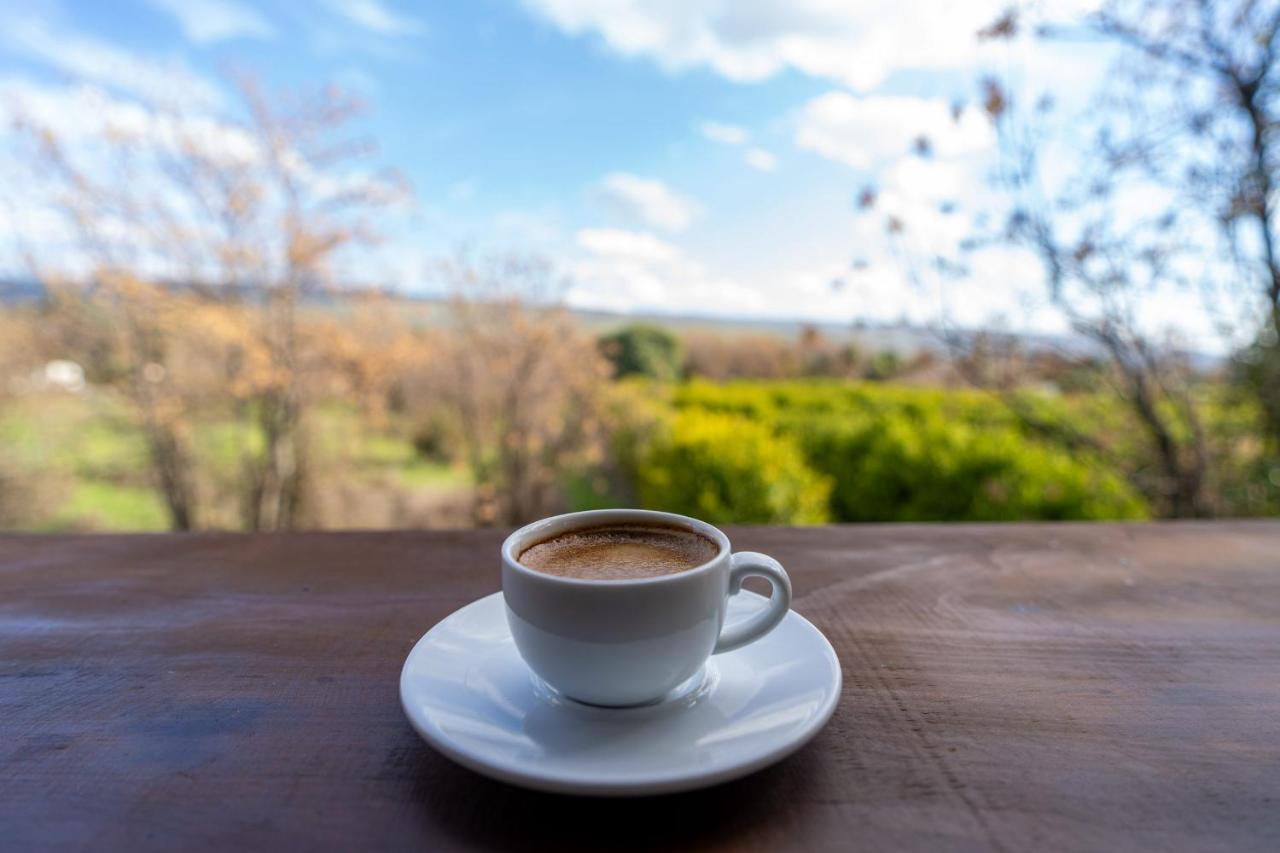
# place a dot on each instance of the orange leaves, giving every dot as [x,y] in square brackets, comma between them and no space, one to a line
[524,383]
[1003,27]
[995,102]
[363,357]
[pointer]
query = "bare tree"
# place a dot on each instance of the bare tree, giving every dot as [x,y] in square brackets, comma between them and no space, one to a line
[1202,108]
[1173,192]
[1101,270]
[523,381]
[179,213]
[1196,111]
[19,490]
[1204,120]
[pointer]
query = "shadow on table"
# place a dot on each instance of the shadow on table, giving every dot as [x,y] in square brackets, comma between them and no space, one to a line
[474,812]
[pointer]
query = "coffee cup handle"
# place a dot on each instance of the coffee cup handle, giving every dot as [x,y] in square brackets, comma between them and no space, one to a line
[743,565]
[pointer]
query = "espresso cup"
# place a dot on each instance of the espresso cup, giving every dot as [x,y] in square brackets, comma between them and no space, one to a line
[631,641]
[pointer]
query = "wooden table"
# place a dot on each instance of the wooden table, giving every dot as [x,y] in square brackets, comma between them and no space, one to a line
[1023,687]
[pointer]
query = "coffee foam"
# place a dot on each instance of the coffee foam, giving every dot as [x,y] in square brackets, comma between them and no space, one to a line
[620,552]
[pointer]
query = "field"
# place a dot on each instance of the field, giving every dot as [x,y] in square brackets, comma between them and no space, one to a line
[815,451]
[747,451]
[90,464]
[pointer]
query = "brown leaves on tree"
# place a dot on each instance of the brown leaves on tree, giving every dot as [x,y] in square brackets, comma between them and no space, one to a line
[201,236]
[994,100]
[1003,27]
[523,381]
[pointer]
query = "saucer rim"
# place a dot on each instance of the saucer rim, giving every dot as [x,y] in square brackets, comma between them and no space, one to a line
[584,785]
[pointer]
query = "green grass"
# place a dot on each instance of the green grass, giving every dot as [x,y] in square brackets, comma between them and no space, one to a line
[394,455]
[89,456]
[339,432]
[98,505]
[94,460]
[106,448]
[385,450]
[892,452]
[225,443]
[422,473]
[90,438]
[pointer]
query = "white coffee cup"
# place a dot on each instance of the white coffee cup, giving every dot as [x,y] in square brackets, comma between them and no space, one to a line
[631,641]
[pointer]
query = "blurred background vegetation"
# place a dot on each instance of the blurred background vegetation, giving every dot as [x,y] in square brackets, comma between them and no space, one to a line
[205,362]
[492,411]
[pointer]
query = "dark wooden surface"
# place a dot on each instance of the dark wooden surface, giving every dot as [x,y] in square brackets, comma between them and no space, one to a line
[1073,687]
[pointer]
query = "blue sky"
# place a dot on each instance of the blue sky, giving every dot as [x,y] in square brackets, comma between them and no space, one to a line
[690,156]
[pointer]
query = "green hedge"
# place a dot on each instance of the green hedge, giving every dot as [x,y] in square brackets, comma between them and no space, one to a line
[642,349]
[905,468]
[798,452]
[724,468]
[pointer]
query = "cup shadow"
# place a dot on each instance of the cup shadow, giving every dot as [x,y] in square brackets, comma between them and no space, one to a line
[470,811]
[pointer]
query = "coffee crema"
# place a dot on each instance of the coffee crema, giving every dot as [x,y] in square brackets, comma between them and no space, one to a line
[619,552]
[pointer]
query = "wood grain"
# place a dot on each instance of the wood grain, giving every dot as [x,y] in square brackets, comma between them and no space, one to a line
[1048,687]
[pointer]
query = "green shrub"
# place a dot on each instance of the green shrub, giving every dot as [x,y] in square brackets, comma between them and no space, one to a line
[883,366]
[896,468]
[431,440]
[911,454]
[723,468]
[641,349]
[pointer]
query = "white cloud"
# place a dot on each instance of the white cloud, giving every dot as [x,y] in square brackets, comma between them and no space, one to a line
[930,180]
[537,228]
[883,292]
[732,134]
[645,201]
[623,270]
[758,158]
[868,131]
[79,115]
[374,16]
[207,21]
[726,134]
[931,195]
[83,119]
[856,43]
[628,271]
[618,243]
[96,61]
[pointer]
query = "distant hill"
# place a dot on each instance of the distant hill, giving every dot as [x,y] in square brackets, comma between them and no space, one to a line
[20,290]
[902,338]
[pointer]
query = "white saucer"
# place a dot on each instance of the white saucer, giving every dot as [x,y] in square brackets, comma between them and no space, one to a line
[466,690]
